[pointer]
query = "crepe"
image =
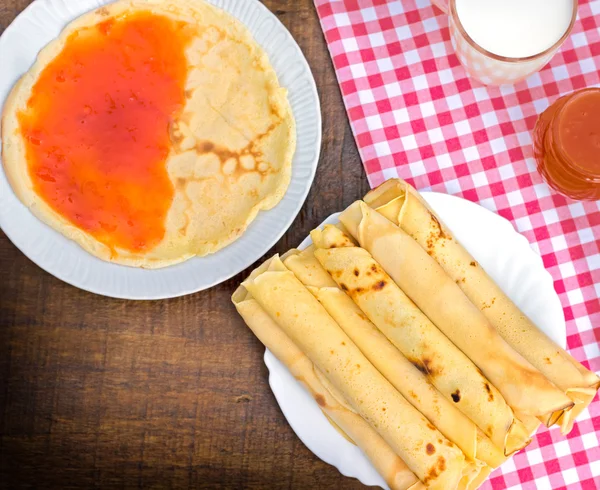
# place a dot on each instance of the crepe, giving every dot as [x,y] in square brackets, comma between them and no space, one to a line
[436,461]
[405,377]
[394,471]
[419,340]
[220,132]
[524,388]
[401,204]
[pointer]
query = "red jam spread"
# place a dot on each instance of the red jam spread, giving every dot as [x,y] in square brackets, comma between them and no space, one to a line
[97,127]
[567,144]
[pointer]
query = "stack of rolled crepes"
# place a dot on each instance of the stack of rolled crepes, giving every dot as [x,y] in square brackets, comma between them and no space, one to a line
[409,347]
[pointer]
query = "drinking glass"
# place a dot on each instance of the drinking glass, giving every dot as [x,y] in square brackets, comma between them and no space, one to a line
[489,68]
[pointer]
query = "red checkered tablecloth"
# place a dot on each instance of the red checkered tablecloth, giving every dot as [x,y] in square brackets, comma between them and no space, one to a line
[415,114]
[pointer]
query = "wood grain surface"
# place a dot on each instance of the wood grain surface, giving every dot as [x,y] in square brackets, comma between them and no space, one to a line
[97,392]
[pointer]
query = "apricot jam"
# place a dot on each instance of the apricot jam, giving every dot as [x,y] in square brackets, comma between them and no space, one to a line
[96,127]
[567,144]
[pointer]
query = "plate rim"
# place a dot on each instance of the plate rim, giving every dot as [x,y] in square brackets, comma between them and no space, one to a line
[306,181]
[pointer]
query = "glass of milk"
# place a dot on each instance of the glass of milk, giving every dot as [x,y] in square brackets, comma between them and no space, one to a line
[504,41]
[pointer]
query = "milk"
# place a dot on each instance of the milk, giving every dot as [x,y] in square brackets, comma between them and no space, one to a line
[515,28]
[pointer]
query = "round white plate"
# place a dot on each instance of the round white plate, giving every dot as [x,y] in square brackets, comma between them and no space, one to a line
[501,251]
[41,22]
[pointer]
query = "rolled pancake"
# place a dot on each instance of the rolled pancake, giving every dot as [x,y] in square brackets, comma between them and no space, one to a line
[387,463]
[403,375]
[424,281]
[307,268]
[489,452]
[477,481]
[530,422]
[439,465]
[225,150]
[419,340]
[402,204]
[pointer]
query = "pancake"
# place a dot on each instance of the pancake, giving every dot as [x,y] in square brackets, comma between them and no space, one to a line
[413,334]
[435,460]
[402,205]
[437,295]
[337,410]
[145,152]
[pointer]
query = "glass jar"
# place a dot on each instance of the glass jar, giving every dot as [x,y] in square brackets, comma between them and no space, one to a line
[567,144]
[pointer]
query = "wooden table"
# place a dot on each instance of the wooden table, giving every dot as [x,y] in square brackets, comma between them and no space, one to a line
[97,392]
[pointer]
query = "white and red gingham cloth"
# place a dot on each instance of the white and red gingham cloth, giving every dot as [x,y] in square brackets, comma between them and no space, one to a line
[416,114]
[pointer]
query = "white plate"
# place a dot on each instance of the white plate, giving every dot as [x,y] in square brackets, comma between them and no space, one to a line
[502,252]
[41,22]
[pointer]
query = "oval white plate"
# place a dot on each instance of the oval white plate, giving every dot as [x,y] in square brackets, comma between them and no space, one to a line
[502,252]
[41,22]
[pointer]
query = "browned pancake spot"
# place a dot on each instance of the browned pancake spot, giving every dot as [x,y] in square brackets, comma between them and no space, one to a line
[320,399]
[431,369]
[456,396]
[547,360]
[356,272]
[354,292]
[489,391]
[344,287]
[432,474]
[418,364]
[379,286]
[435,470]
[430,426]
[222,153]
[430,448]
[486,306]
[435,235]
[207,146]
[437,223]
[473,264]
